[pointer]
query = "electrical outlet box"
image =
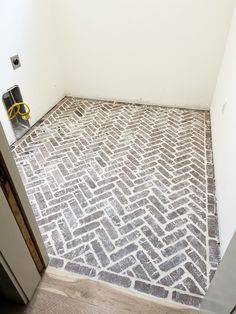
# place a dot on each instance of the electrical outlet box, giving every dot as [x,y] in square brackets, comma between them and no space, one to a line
[10,97]
[15,61]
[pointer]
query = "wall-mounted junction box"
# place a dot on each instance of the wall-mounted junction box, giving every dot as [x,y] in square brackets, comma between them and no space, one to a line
[11,96]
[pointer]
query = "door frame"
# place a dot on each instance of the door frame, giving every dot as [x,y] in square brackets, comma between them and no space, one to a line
[23,255]
[221,294]
[17,264]
[20,195]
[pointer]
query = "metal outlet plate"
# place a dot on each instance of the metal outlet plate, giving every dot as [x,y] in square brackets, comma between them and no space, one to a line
[15,61]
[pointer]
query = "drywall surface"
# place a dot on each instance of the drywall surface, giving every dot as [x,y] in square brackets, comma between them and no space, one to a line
[154,51]
[27,29]
[223,116]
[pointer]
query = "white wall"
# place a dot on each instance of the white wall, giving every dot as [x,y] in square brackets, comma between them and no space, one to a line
[223,115]
[27,29]
[155,51]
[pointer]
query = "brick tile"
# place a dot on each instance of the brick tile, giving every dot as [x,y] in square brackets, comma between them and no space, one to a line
[114,278]
[151,289]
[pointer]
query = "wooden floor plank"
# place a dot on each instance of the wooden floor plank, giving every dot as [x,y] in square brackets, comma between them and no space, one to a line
[61,293]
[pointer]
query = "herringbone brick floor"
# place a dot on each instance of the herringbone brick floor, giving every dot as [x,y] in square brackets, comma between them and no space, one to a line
[125,193]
